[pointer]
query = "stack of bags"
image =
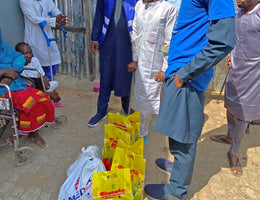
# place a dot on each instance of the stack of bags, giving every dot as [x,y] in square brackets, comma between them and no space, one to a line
[122,155]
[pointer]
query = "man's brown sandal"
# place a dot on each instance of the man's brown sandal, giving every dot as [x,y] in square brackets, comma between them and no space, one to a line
[221,139]
[235,168]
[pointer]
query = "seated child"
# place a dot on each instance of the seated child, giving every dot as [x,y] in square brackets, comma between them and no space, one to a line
[34,107]
[33,76]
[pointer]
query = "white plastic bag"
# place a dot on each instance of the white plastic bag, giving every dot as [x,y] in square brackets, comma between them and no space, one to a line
[91,151]
[78,184]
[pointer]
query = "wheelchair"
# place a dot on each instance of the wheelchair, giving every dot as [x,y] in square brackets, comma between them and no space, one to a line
[23,155]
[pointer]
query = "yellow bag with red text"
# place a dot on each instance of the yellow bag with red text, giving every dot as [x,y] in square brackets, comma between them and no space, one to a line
[135,120]
[114,185]
[114,137]
[111,145]
[124,158]
[137,148]
[130,123]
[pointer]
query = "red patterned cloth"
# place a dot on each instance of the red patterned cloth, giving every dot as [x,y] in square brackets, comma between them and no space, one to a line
[35,109]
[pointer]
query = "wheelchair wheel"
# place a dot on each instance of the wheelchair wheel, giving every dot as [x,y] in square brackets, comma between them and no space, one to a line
[59,121]
[3,125]
[22,156]
[3,143]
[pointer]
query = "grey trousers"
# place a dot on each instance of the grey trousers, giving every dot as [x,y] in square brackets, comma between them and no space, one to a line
[182,167]
[236,131]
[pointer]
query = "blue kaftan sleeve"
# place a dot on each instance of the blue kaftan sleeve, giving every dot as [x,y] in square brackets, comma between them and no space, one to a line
[98,21]
[221,40]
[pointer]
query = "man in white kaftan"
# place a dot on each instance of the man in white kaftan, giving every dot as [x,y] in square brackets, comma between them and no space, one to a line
[151,35]
[35,12]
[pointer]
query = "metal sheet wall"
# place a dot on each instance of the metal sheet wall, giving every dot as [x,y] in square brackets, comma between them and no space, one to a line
[11,22]
[77,59]
[75,48]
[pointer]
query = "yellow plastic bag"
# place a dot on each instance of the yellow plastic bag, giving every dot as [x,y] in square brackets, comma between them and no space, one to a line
[114,185]
[130,124]
[114,137]
[135,121]
[121,159]
[137,171]
[137,147]
[124,158]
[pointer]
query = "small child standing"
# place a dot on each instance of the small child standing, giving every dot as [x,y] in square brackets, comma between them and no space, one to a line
[33,63]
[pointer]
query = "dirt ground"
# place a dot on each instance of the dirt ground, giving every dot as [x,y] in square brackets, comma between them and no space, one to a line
[42,178]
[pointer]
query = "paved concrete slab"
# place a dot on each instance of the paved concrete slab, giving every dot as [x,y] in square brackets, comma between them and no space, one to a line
[42,178]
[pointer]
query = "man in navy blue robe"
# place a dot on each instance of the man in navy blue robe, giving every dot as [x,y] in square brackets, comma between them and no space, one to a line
[111,36]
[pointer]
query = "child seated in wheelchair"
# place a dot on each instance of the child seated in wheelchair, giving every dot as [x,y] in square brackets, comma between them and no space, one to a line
[34,107]
[32,77]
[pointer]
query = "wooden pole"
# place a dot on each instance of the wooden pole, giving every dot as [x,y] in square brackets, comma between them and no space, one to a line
[88,26]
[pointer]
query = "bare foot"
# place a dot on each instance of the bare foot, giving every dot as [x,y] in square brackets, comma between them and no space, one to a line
[35,137]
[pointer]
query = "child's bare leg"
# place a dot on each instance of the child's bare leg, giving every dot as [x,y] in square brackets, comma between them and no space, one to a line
[35,137]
